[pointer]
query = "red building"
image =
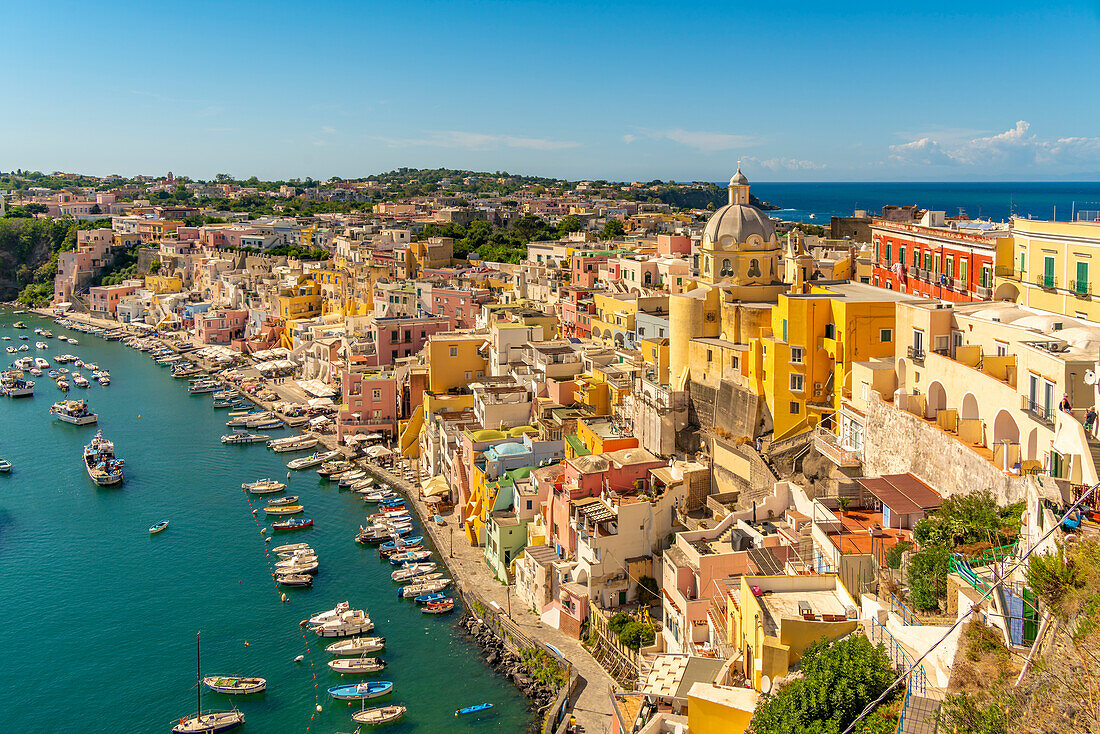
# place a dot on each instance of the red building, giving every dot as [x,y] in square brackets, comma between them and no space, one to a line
[951,261]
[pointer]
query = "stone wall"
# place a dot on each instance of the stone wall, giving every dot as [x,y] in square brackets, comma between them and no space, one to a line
[729,408]
[145,258]
[895,442]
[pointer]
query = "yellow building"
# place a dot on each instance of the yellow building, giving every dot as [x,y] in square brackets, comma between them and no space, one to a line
[454,360]
[716,709]
[655,354]
[775,618]
[160,284]
[303,301]
[1049,266]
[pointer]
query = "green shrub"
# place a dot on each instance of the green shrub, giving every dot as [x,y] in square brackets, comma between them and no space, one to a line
[894,555]
[927,575]
[1051,576]
[618,621]
[635,634]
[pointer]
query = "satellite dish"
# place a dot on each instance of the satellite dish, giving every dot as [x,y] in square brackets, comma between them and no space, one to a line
[766,684]
[1090,377]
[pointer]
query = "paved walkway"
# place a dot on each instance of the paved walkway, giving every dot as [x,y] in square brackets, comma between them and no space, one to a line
[590,704]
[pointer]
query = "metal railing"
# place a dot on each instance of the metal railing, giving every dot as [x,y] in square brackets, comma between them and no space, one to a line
[899,657]
[1010,273]
[1046,281]
[915,353]
[897,606]
[1081,287]
[983,291]
[828,444]
[1039,411]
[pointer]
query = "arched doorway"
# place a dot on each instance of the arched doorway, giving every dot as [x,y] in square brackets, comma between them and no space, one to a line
[969,407]
[937,399]
[1006,292]
[1031,451]
[1005,428]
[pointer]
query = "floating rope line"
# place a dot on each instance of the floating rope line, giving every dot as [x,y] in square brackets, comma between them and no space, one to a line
[303,629]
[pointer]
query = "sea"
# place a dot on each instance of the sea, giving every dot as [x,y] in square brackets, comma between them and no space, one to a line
[817,203]
[100,618]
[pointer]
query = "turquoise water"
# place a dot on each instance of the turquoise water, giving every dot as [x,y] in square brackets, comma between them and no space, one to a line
[99,618]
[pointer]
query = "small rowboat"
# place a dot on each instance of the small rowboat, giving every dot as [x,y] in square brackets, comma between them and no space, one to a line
[357,666]
[264,486]
[439,607]
[294,579]
[398,559]
[234,686]
[291,547]
[361,691]
[296,562]
[387,552]
[393,544]
[429,598]
[294,523]
[284,509]
[473,709]
[5,466]
[379,716]
[159,527]
[357,646]
[283,501]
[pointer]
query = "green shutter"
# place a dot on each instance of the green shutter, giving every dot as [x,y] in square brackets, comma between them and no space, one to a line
[1082,285]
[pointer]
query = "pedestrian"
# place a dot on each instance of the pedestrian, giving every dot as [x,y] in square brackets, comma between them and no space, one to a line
[1065,406]
[1090,418]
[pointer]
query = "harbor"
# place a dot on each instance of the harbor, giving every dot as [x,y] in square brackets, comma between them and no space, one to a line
[88,554]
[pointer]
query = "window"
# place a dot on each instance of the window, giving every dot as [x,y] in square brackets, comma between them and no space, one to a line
[928,260]
[376,394]
[901,256]
[1082,284]
[795,408]
[916,258]
[936,260]
[885,335]
[949,267]
[784,329]
[394,355]
[735,362]
[1002,349]
[876,252]
[963,263]
[454,352]
[887,250]
[377,414]
[796,355]
[987,277]
[710,355]
[918,341]
[1047,278]
[798,382]
[467,375]
[830,331]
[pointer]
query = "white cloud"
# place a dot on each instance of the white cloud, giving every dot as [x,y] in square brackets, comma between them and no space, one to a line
[701,140]
[1015,148]
[784,164]
[479,141]
[328,129]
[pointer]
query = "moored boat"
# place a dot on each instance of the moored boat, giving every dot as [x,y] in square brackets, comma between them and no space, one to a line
[293,523]
[307,462]
[100,461]
[5,466]
[361,691]
[473,709]
[294,579]
[429,598]
[379,715]
[243,438]
[14,385]
[291,547]
[234,686]
[424,588]
[357,666]
[284,509]
[357,646]
[328,615]
[292,443]
[419,555]
[439,607]
[288,500]
[351,622]
[75,412]
[263,486]
[411,570]
[160,527]
[212,722]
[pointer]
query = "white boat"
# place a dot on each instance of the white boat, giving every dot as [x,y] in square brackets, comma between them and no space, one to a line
[412,571]
[74,411]
[42,364]
[350,478]
[263,486]
[292,443]
[357,646]
[41,345]
[351,622]
[14,385]
[304,566]
[234,685]
[297,562]
[329,614]
[291,547]
[5,466]
[379,715]
[79,380]
[306,462]
[212,722]
[424,588]
[244,438]
[357,666]
[100,461]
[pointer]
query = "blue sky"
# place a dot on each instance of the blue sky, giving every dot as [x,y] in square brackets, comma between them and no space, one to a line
[616,90]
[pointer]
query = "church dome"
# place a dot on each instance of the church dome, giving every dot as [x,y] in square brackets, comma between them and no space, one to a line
[738,222]
[739,178]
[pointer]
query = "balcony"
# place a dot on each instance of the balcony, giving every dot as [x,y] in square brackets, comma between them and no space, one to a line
[925,274]
[1011,273]
[1080,288]
[1038,411]
[1048,282]
[916,354]
[982,291]
[914,271]
[828,445]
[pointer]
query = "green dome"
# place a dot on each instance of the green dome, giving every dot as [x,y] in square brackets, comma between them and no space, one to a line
[520,430]
[487,434]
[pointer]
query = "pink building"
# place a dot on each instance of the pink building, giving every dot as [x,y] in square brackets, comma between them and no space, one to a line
[585,269]
[577,309]
[75,269]
[459,304]
[105,298]
[399,337]
[370,404]
[673,244]
[220,327]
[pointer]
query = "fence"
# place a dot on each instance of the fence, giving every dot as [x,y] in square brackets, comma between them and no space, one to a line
[620,661]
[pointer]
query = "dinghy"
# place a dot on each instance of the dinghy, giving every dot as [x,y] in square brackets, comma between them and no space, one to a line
[361,691]
[379,716]
[233,686]
[294,579]
[159,527]
[439,607]
[473,709]
[357,646]
[294,523]
[357,666]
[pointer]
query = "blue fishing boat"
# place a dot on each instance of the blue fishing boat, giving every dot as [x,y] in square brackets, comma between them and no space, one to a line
[361,691]
[473,709]
[160,526]
[393,544]
[391,501]
[428,598]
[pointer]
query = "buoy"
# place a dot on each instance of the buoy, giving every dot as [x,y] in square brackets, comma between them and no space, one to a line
[283,596]
[266,540]
[246,643]
[300,658]
[318,708]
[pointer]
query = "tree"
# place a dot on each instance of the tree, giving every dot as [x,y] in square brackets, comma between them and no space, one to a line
[648,591]
[612,228]
[95,209]
[838,680]
[571,223]
[927,574]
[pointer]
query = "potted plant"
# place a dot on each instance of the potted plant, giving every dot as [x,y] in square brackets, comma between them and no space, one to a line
[844,502]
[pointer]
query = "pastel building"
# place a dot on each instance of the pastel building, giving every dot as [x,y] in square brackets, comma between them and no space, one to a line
[220,327]
[369,404]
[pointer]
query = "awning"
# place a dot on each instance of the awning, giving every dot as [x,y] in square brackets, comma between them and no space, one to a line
[373,436]
[321,421]
[435,500]
[377,452]
[355,438]
[318,402]
[436,487]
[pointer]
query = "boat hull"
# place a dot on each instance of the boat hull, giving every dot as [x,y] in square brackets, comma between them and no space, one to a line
[210,723]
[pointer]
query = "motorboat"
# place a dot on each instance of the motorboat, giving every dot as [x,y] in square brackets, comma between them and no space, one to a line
[300,580]
[273,424]
[361,691]
[397,544]
[63,386]
[398,559]
[473,709]
[284,509]
[99,459]
[357,646]
[291,547]
[292,443]
[42,364]
[75,412]
[424,578]
[79,380]
[357,666]
[14,385]
[5,466]
[19,325]
[293,523]
[212,722]
[263,486]
[429,598]
[346,480]
[428,587]
[334,467]
[288,500]
[234,686]
[200,388]
[160,527]
[411,570]
[300,566]
[41,345]
[379,715]
[307,462]
[376,497]
[439,607]
[329,615]
[23,364]
[104,379]
[351,622]
[243,438]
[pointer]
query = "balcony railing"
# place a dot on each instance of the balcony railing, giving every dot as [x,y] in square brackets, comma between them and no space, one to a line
[828,445]
[1081,287]
[1039,411]
[983,291]
[916,353]
[1011,273]
[1046,281]
[914,271]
